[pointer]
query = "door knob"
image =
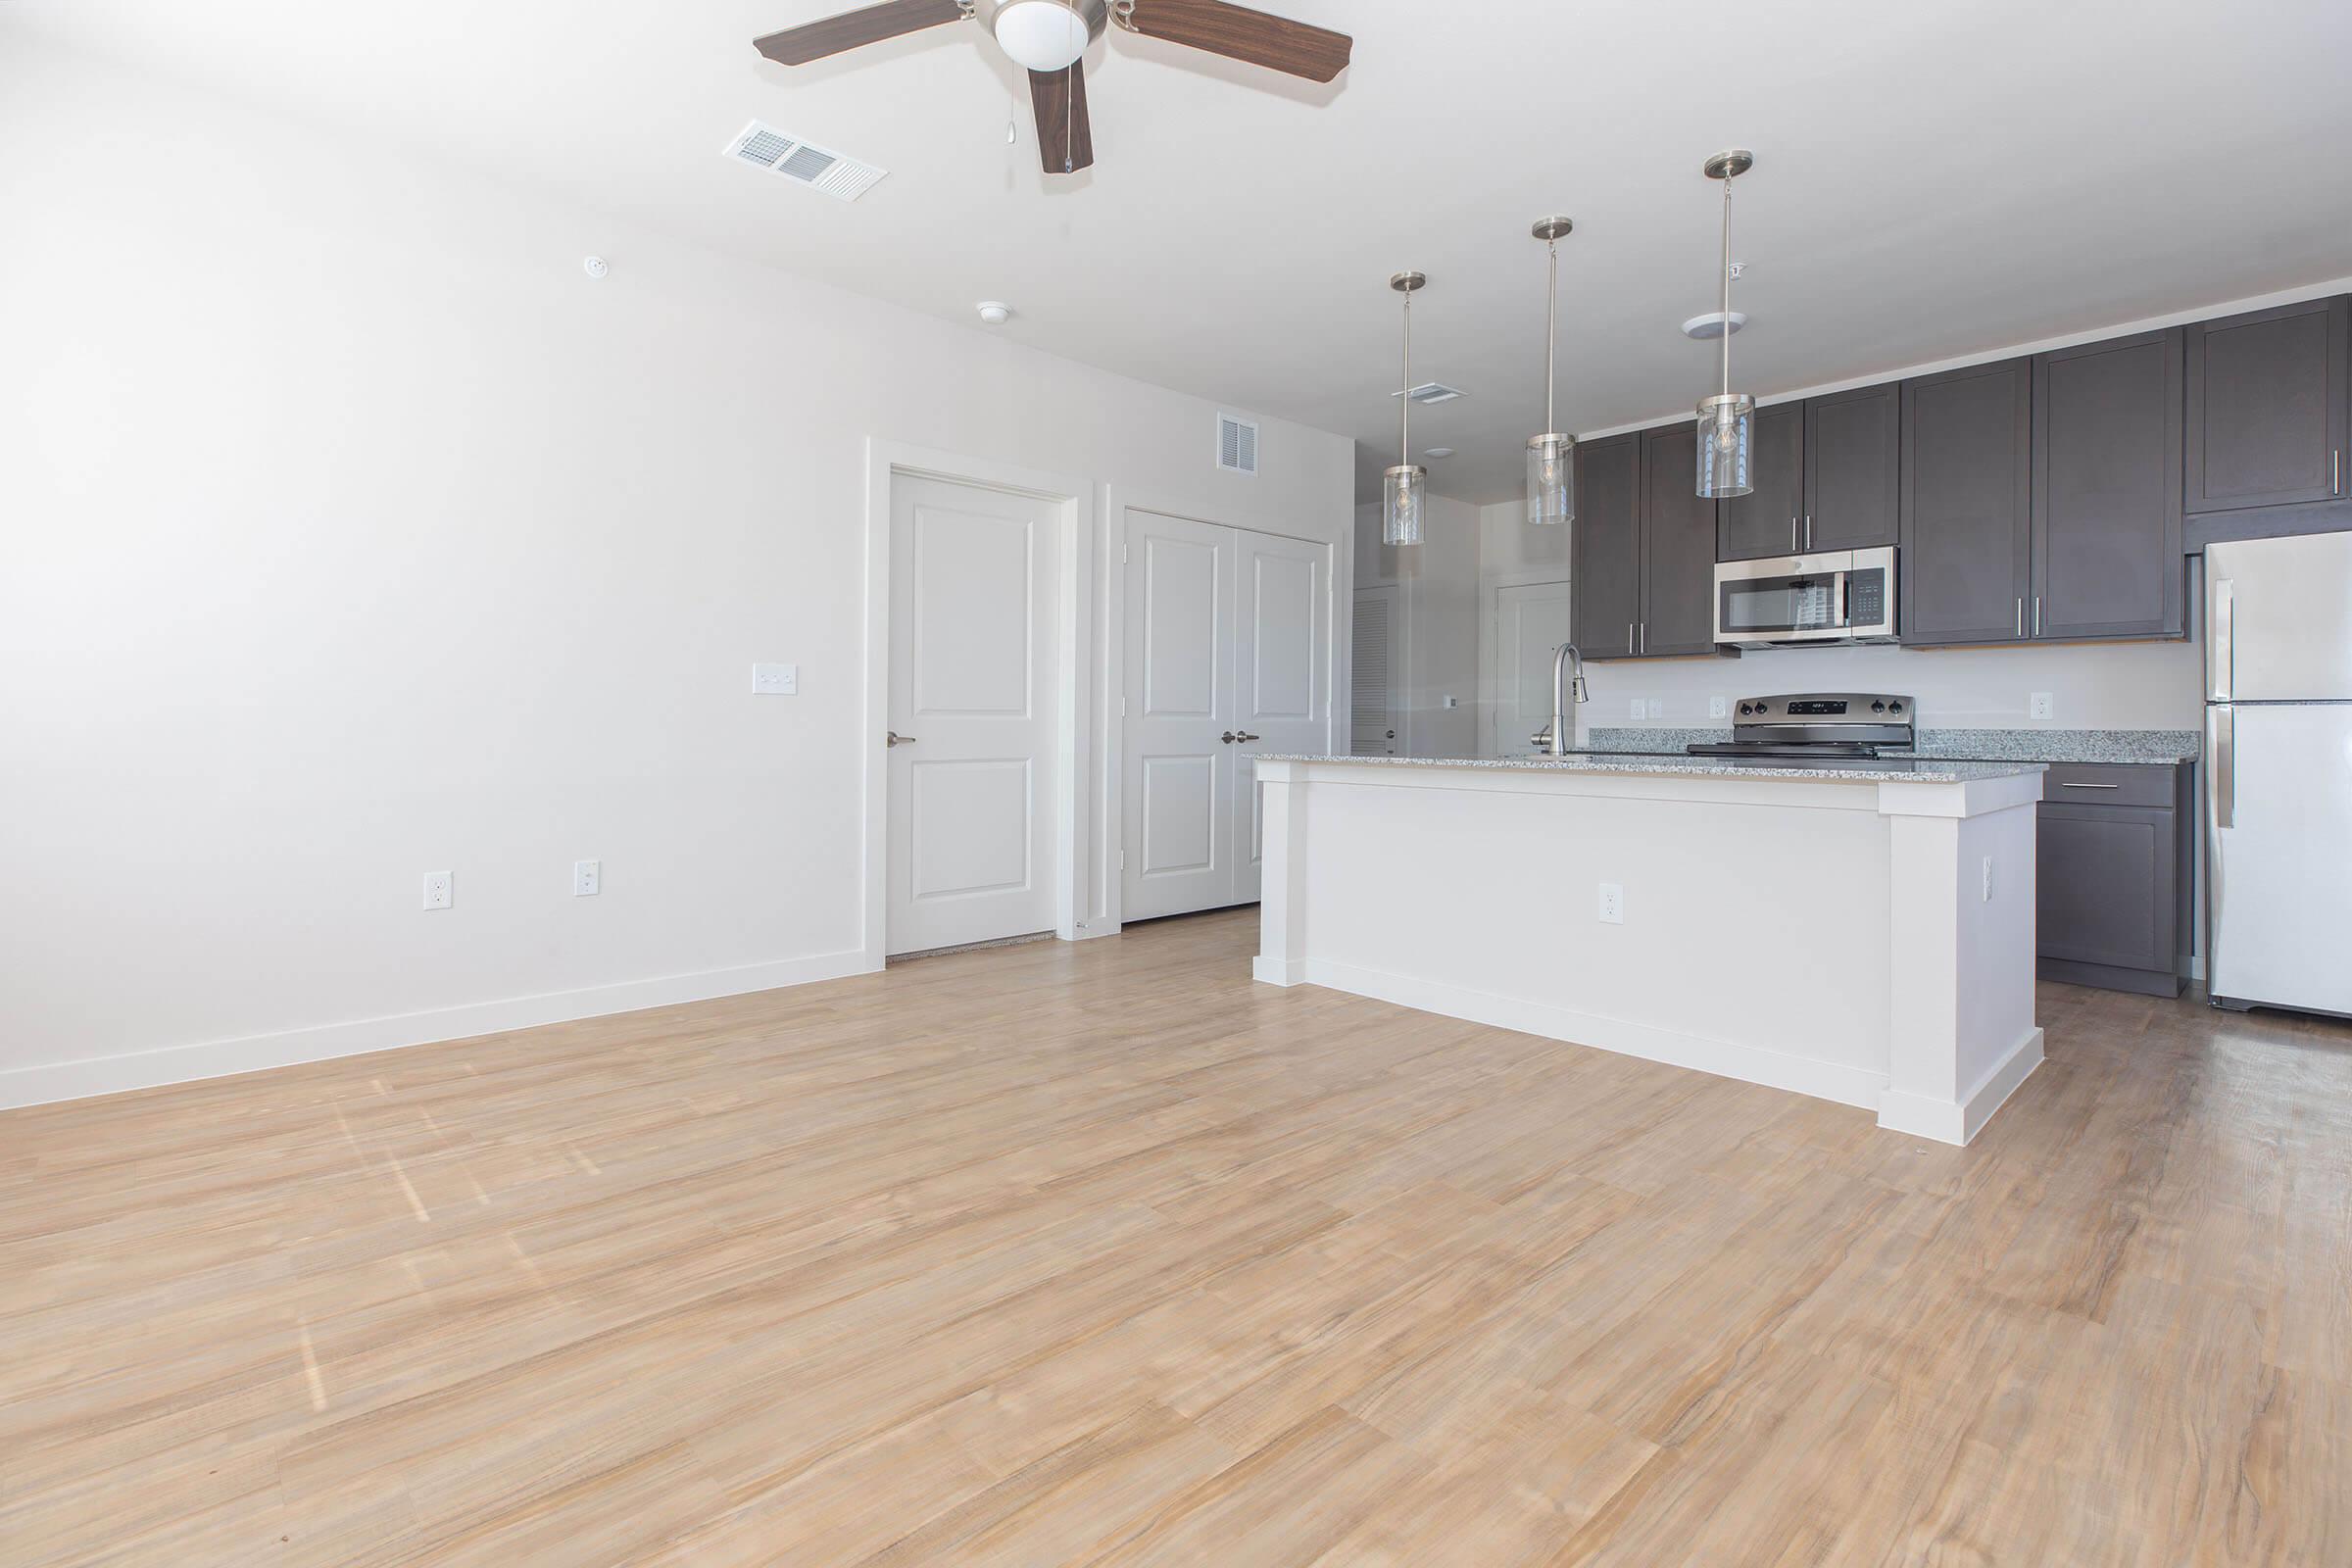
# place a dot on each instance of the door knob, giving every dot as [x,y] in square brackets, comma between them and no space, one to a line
[1243,737]
[1227,737]
[896,739]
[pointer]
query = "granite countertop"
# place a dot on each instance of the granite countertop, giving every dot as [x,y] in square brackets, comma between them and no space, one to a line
[2158,747]
[1672,766]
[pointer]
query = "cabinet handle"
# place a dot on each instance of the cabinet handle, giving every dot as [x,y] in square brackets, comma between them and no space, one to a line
[1793,546]
[2021,616]
[2037,614]
[1808,530]
[2335,471]
[1645,637]
[1628,636]
[2069,784]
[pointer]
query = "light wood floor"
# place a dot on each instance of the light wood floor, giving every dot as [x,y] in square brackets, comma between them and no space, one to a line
[1104,1255]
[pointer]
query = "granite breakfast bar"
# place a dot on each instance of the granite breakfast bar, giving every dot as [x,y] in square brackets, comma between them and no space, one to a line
[1862,934]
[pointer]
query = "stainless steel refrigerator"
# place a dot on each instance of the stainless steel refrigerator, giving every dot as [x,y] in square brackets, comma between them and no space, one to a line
[2279,790]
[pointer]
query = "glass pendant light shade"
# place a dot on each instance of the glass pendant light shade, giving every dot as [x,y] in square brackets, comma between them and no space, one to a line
[1401,503]
[1551,481]
[1726,425]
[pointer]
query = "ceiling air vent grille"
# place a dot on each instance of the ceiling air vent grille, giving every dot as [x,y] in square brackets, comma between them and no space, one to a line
[1430,392]
[803,162]
[1237,445]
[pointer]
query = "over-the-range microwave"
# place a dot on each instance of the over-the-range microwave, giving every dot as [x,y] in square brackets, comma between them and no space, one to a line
[1832,596]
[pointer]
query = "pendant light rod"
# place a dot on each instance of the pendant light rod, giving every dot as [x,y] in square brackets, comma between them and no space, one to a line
[1550,230]
[1404,283]
[1728,167]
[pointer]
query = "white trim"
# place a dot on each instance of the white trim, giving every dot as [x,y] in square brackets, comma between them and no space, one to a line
[1076,498]
[220,1058]
[1959,1121]
[1725,1059]
[2099,335]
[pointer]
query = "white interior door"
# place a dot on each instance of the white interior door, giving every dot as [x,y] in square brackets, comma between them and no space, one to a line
[975,702]
[1527,620]
[1282,700]
[1373,664]
[1178,773]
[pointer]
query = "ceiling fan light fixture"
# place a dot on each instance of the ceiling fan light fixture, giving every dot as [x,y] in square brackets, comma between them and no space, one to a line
[1047,35]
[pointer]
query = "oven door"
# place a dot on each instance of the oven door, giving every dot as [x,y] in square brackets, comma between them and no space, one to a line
[1836,596]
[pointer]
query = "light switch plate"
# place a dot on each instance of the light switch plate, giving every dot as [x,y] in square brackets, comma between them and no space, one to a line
[440,890]
[1657,708]
[2044,706]
[1638,708]
[1718,706]
[1611,904]
[587,878]
[775,680]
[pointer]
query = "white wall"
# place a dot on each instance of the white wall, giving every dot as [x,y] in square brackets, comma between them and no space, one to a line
[1440,581]
[348,531]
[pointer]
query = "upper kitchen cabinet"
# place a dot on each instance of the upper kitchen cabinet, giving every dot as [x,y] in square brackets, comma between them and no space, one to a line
[1967,504]
[1678,547]
[1825,472]
[1853,444]
[2267,408]
[1604,547]
[2107,518]
[1769,520]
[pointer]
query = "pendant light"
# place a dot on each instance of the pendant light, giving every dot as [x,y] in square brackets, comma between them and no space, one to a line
[1726,422]
[1400,497]
[1552,457]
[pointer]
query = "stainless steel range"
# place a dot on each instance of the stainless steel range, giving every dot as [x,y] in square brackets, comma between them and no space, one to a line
[1816,728]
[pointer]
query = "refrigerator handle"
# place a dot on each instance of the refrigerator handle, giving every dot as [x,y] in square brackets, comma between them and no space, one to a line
[2224,765]
[2224,651]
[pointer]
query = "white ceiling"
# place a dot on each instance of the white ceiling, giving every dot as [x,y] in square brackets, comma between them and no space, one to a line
[1932,179]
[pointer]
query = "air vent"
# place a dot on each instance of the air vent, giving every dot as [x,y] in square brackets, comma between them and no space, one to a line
[803,162]
[1237,445]
[1430,392]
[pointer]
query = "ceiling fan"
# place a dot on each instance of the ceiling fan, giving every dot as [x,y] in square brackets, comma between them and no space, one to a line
[1048,38]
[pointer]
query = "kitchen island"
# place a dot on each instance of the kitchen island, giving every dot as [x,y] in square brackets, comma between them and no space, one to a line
[1859,933]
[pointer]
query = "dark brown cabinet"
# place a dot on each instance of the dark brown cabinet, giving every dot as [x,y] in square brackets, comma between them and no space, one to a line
[2269,415]
[2107,552]
[1769,520]
[1678,547]
[1853,441]
[1604,569]
[1967,504]
[2112,877]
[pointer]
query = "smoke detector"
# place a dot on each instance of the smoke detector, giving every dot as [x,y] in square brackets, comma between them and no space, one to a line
[996,312]
[1708,327]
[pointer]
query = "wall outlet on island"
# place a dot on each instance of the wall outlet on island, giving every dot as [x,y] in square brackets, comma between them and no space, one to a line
[1611,910]
[1640,708]
[1718,706]
[1657,708]
[2043,706]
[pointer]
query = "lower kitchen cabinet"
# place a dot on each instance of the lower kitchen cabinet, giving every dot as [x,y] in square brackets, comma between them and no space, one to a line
[2113,876]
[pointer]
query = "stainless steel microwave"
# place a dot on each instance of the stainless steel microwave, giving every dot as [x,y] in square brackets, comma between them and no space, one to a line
[1832,596]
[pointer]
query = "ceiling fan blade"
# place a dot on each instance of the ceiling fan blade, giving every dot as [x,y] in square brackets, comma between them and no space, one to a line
[1240,33]
[797,46]
[1065,141]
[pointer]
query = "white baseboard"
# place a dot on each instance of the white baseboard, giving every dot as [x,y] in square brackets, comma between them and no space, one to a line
[1958,1121]
[219,1059]
[1725,1059]
[1278,971]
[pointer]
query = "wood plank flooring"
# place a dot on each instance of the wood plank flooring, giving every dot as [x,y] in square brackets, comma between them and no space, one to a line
[1104,1255]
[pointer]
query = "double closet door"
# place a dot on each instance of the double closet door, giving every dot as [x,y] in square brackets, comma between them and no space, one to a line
[1228,657]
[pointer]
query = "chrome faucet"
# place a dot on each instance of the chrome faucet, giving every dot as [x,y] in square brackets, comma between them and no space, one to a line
[1555,736]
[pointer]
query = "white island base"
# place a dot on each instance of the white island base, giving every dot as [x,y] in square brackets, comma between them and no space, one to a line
[1856,936]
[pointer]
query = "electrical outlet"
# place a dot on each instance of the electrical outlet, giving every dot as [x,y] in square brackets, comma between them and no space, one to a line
[2044,706]
[1718,706]
[440,890]
[1452,701]
[775,680]
[587,878]
[1657,708]
[1988,879]
[1611,910]
[1640,708]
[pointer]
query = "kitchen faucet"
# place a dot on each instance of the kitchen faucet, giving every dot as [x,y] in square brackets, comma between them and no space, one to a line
[1555,736]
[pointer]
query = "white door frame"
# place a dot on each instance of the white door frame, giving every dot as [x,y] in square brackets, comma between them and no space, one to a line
[1111,800]
[1074,497]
